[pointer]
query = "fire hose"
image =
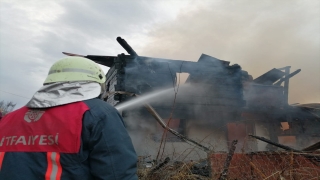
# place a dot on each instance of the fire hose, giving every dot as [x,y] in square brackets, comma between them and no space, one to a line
[158,118]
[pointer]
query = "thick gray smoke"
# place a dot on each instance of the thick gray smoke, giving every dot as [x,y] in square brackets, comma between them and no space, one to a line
[211,96]
[258,35]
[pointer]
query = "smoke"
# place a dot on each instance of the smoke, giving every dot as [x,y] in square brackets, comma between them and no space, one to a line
[258,35]
[209,103]
[192,104]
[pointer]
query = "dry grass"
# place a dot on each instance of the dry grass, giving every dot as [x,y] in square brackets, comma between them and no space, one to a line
[178,171]
[260,165]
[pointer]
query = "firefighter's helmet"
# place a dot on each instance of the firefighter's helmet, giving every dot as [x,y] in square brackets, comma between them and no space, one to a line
[70,69]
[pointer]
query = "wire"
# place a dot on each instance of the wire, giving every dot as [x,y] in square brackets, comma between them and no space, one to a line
[14,94]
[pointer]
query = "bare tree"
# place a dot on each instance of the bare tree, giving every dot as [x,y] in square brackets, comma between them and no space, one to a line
[6,107]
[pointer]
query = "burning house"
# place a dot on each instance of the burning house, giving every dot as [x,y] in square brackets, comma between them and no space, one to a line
[218,103]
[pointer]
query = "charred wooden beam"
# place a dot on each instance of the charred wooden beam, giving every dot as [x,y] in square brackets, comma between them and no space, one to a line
[126,46]
[103,60]
[313,147]
[72,54]
[224,173]
[180,136]
[287,77]
[159,166]
[286,85]
[269,77]
[315,159]
[274,143]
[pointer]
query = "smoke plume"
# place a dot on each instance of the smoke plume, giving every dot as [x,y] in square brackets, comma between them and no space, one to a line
[258,35]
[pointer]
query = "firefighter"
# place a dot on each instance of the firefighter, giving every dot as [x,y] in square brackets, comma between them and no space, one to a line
[65,131]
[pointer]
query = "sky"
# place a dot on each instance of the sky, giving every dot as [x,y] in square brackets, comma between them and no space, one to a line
[257,35]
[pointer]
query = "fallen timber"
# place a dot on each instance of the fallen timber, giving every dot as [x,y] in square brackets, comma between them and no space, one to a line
[224,174]
[275,144]
[159,166]
[313,147]
[314,158]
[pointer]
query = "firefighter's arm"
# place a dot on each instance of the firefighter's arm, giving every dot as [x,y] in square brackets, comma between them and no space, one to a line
[112,155]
